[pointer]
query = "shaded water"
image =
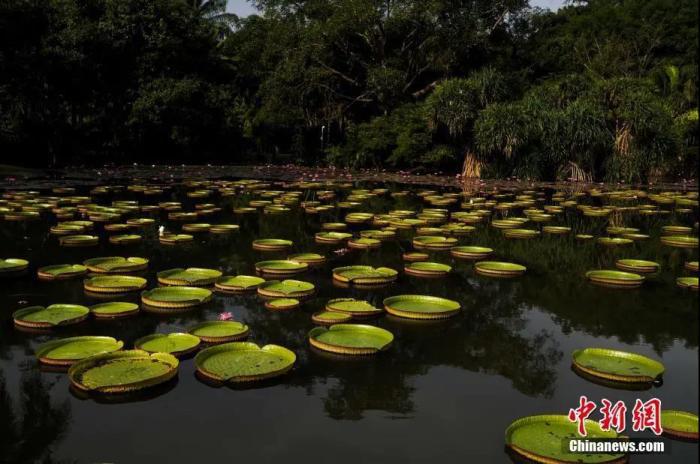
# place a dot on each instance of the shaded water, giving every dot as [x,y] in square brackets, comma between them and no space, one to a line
[444,391]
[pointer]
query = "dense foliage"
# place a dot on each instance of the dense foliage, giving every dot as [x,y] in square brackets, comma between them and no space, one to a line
[602,89]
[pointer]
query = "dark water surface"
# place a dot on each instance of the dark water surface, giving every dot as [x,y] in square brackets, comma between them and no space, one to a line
[445,391]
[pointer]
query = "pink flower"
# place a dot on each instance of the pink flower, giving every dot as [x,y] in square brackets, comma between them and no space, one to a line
[225,316]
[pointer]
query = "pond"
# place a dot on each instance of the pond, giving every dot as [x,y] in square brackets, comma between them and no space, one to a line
[445,390]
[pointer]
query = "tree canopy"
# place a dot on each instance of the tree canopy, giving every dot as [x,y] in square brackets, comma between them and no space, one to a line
[601,89]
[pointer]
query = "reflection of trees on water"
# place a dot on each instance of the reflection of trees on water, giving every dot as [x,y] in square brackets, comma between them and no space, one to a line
[31,429]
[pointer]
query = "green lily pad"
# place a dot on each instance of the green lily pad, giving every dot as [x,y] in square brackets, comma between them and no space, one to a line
[114,284]
[281,267]
[244,362]
[221,229]
[614,241]
[427,269]
[271,244]
[637,266]
[173,239]
[282,304]
[353,307]
[354,339]
[115,264]
[286,288]
[123,371]
[676,230]
[175,297]
[192,276]
[687,282]
[61,271]
[521,233]
[499,269]
[692,266]
[421,307]
[114,309]
[680,424]
[543,438]
[330,317]
[239,283]
[220,331]
[471,252]
[364,243]
[413,256]
[618,366]
[67,351]
[53,315]
[177,344]
[434,242]
[124,239]
[680,241]
[332,237]
[615,278]
[556,230]
[309,258]
[13,265]
[78,240]
[364,275]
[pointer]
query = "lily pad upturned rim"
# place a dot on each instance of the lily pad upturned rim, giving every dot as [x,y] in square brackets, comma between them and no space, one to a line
[101,265]
[546,456]
[384,337]
[353,307]
[121,356]
[330,317]
[680,241]
[238,331]
[239,283]
[311,259]
[43,351]
[187,343]
[687,282]
[127,309]
[371,276]
[78,240]
[19,316]
[637,265]
[282,304]
[333,237]
[691,266]
[302,289]
[415,256]
[239,349]
[16,265]
[61,271]
[281,267]
[364,243]
[683,416]
[122,284]
[448,309]
[499,269]
[433,242]
[615,377]
[272,244]
[172,239]
[178,297]
[471,252]
[615,278]
[427,269]
[191,276]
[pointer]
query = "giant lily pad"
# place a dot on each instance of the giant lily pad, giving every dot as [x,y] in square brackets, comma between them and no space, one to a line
[220,331]
[364,275]
[271,244]
[471,252]
[687,282]
[282,304]
[421,307]
[332,237]
[351,339]
[680,241]
[286,289]
[543,439]
[123,371]
[281,267]
[617,366]
[175,297]
[222,229]
[238,284]
[614,241]
[13,265]
[312,259]
[115,264]
[177,344]
[364,243]
[330,317]
[61,271]
[615,278]
[521,233]
[174,239]
[427,269]
[638,266]
[114,284]
[353,307]
[78,240]
[50,316]
[114,309]
[244,362]
[680,424]
[433,242]
[499,269]
[67,351]
[124,239]
[192,276]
